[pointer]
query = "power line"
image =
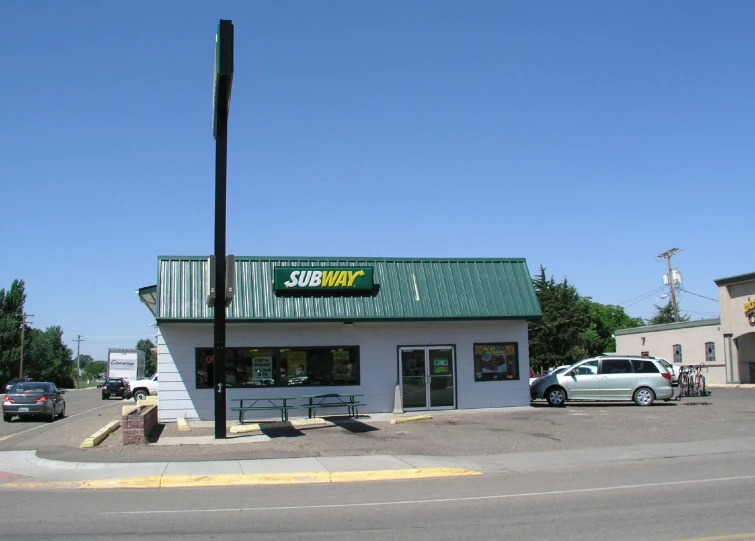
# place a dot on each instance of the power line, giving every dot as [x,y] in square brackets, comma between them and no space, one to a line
[702,313]
[702,296]
[643,296]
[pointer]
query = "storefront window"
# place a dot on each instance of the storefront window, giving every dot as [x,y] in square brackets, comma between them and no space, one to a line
[281,367]
[710,352]
[499,361]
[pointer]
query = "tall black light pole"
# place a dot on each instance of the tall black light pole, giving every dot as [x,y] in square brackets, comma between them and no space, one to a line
[222,102]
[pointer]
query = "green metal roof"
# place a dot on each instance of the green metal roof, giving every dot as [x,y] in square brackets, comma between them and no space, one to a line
[445,289]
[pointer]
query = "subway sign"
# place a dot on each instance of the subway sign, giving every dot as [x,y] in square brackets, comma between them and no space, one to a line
[330,280]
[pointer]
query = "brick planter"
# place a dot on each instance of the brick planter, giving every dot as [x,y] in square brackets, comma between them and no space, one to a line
[138,424]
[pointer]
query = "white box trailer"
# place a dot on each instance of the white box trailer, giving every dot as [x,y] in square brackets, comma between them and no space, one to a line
[125,363]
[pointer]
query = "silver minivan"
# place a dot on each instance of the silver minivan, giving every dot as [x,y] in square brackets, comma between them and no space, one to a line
[607,377]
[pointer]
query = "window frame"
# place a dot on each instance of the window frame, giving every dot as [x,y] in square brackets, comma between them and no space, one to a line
[480,375]
[710,357]
[278,363]
[674,349]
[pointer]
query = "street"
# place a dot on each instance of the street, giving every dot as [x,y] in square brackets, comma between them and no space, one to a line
[86,413]
[661,500]
[569,473]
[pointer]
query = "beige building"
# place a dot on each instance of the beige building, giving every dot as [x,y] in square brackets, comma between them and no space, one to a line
[725,345]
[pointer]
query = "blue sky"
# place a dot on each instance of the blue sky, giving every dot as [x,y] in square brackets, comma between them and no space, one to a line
[586,136]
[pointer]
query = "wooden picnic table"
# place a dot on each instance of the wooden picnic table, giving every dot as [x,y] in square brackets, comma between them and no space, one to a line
[279,403]
[333,400]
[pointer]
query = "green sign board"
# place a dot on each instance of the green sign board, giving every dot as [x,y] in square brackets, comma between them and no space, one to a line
[323,279]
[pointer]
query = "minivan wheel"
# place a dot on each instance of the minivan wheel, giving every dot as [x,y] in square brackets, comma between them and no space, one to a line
[644,396]
[555,396]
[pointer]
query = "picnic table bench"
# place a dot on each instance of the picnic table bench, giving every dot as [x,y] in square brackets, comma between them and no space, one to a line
[333,400]
[279,403]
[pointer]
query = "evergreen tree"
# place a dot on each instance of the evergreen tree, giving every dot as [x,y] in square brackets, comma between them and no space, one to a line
[665,314]
[560,338]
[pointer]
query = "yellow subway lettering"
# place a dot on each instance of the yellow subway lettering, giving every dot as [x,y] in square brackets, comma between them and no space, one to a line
[353,276]
[342,279]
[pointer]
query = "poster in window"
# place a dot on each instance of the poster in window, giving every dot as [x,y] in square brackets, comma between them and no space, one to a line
[297,364]
[495,359]
[340,365]
[440,367]
[262,369]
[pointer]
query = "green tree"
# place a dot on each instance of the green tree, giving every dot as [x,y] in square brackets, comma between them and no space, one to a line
[85,360]
[11,307]
[50,359]
[150,357]
[560,338]
[665,314]
[605,320]
[95,368]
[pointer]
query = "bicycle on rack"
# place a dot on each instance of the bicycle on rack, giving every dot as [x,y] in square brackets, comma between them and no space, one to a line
[692,381]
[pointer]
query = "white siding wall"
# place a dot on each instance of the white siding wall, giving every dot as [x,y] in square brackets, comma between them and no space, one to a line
[378,343]
[692,340]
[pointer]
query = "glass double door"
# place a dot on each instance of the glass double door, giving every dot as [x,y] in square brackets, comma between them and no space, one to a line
[428,380]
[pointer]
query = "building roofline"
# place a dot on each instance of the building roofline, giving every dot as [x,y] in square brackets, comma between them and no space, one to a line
[749,277]
[231,321]
[670,326]
[351,258]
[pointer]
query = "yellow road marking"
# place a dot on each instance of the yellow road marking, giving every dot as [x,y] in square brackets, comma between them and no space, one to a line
[6,437]
[182,481]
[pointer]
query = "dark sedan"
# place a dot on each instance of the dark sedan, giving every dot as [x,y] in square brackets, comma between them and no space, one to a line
[34,398]
[116,387]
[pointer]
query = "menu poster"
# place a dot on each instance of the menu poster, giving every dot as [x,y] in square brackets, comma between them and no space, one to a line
[340,364]
[297,364]
[262,368]
[495,358]
[440,367]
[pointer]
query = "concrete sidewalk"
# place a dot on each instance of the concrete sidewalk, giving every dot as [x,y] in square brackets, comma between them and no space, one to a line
[24,470]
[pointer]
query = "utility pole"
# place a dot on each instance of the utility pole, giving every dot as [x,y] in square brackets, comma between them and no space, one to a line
[221,103]
[23,315]
[667,256]
[78,339]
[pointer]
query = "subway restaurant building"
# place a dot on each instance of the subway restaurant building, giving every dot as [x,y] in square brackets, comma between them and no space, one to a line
[407,334]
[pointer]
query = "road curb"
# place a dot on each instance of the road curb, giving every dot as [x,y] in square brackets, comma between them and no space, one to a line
[190,481]
[293,423]
[183,425]
[410,419]
[96,438]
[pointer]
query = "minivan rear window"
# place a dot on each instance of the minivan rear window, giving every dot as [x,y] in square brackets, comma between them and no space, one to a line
[644,367]
[616,366]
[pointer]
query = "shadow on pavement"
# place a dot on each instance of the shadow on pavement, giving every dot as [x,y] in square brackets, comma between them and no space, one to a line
[281,431]
[352,425]
[611,405]
[154,436]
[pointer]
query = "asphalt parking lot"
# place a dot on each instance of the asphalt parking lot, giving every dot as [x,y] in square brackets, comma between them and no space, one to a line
[727,413]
